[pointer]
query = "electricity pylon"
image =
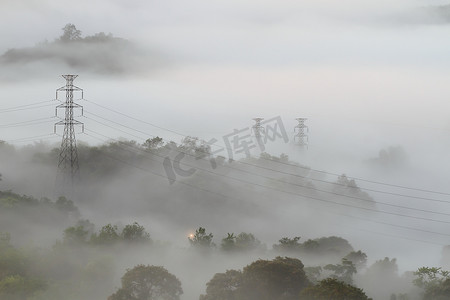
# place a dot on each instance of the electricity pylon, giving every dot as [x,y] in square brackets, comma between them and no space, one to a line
[300,137]
[68,167]
[259,132]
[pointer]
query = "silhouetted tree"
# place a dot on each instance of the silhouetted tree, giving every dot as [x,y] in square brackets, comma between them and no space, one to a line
[334,289]
[288,245]
[223,286]
[201,239]
[135,233]
[70,33]
[148,283]
[434,281]
[277,279]
[342,272]
[106,236]
[359,259]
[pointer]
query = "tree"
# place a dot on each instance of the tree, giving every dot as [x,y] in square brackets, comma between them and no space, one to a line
[135,233]
[332,288]
[310,246]
[223,286]
[383,273]
[70,33]
[288,245]
[107,235]
[75,235]
[313,273]
[435,282]
[16,287]
[343,272]
[280,278]
[65,205]
[332,245]
[148,283]
[201,239]
[228,243]
[277,279]
[247,242]
[15,279]
[359,259]
[154,143]
[241,242]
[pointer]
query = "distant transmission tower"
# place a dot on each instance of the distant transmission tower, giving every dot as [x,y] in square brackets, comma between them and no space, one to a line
[300,137]
[258,131]
[68,168]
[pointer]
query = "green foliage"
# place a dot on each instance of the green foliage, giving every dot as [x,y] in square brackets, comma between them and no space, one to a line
[384,268]
[359,259]
[9,200]
[241,242]
[83,233]
[135,233]
[228,243]
[333,245]
[66,205]
[322,246]
[154,143]
[75,235]
[18,287]
[334,289]
[310,246]
[15,279]
[342,272]
[428,277]
[223,286]
[201,239]
[148,283]
[288,245]
[281,278]
[70,33]
[195,146]
[107,236]
[346,186]
[313,273]
[435,282]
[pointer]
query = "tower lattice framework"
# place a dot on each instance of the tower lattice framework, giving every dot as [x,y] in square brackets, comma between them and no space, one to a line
[300,136]
[68,167]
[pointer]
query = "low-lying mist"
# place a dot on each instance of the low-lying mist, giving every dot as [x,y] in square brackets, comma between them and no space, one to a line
[281,207]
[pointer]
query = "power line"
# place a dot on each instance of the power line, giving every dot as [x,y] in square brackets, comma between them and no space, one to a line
[26,105]
[27,123]
[301,195]
[233,198]
[286,173]
[394,225]
[298,185]
[26,108]
[288,164]
[30,138]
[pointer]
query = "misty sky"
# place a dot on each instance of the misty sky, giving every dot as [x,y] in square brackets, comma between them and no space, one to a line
[367,74]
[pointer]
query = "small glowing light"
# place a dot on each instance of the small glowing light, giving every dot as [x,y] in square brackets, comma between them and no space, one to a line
[191,235]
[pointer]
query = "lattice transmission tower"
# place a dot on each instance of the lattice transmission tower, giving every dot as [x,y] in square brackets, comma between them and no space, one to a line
[68,167]
[300,136]
[258,131]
